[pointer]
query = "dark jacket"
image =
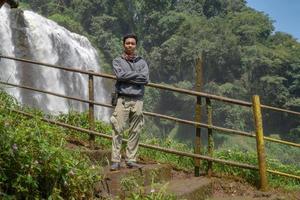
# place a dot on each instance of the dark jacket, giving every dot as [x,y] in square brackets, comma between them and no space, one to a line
[132,76]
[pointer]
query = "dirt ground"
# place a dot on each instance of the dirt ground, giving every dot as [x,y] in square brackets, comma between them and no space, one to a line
[232,188]
[238,188]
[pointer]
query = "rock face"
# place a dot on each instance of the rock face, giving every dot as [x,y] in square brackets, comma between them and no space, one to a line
[25,34]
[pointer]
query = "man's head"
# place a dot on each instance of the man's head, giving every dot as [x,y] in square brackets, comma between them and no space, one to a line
[129,43]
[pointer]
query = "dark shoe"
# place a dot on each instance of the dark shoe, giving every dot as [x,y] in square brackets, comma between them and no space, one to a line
[115,166]
[132,164]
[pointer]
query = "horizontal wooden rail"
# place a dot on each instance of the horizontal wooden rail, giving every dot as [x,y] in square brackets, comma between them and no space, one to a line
[270,139]
[180,153]
[60,67]
[56,94]
[172,151]
[160,86]
[283,174]
[103,75]
[280,109]
[216,128]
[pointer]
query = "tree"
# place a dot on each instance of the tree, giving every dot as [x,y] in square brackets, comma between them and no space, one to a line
[243,55]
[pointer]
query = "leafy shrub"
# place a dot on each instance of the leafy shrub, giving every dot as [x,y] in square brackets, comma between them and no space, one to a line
[81,120]
[241,157]
[137,192]
[35,163]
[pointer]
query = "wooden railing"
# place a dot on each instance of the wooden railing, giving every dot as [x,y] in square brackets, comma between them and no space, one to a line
[255,104]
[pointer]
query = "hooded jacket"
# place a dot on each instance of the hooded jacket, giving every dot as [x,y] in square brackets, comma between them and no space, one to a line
[132,76]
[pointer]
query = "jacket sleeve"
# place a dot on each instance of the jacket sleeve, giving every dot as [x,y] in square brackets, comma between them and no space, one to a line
[143,75]
[121,73]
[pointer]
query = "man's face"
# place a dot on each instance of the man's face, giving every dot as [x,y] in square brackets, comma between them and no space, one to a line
[130,46]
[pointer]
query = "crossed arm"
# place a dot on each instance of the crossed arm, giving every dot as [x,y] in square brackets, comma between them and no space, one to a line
[137,77]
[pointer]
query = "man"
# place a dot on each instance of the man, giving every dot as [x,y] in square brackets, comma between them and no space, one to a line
[132,75]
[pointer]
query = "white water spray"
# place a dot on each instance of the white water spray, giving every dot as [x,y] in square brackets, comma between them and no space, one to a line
[8,67]
[45,41]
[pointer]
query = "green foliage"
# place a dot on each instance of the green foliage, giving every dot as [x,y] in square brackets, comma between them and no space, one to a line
[180,162]
[279,181]
[82,120]
[251,26]
[136,191]
[35,163]
[287,155]
[7,101]
[151,99]
[104,28]
[241,157]
[67,22]
[294,135]
[242,54]
[23,5]
[250,157]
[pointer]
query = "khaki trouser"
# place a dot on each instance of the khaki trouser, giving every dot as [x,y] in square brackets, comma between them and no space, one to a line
[132,110]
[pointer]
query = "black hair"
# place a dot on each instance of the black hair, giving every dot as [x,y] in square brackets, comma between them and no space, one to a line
[130,36]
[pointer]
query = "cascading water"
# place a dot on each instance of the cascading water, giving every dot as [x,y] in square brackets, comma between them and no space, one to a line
[8,67]
[29,35]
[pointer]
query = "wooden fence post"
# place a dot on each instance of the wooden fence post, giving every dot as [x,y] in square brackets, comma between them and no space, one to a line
[210,142]
[91,109]
[198,87]
[260,143]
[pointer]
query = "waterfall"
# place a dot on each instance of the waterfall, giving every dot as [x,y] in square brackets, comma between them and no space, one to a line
[28,35]
[8,67]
